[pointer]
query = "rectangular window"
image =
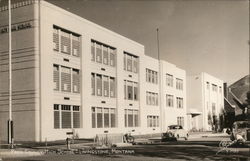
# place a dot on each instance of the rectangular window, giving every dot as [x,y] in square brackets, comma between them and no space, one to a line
[135,64]
[152,121]
[65,79]
[179,102]
[76,81]
[106,117]
[170,101]
[99,84]
[76,116]
[124,61]
[56,77]
[56,117]
[66,116]
[56,39]
[179,84]
[125,89]
[93,83]
[65,42]
[106,86]
[129,63]
[98,53]
[214,87]
[92,51]
[112,87]
[152,98]
[135,91]
[180,121]
[93,117]
[112,117]
[105,55]
[112,57]
[151,76]
[126,118]
[136,118]
[130,90]
[76,45]
[99,118]
[169,80]
[130,118]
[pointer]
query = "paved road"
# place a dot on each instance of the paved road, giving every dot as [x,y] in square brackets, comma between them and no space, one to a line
[195,149]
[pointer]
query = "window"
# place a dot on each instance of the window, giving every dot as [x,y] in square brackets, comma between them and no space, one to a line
[151,76]
[208,86]
[65,42]
[170,80]
[65,79]
[76,81]
[152,98]
[56,39]
[106,86]
[179,102]
[131,118]
[112,87]
[70,43]
[66,116]
[102,85]
[214,87]
[131,62]
[152,121]
[179,84]
[56,117]
[56,77]
[213,108]
[76,45]
[103,117]
[102,53]
[170,101]
[180,121]
[76,116]
[131,91]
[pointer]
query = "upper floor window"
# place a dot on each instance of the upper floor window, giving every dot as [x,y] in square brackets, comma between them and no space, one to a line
[103,54]
[169,80]
[102,85]
[130,62]
[66,41]
[131,90]
[170,100]
[208,86]
[151,76]
[131,118]
[152,98]
[180,121]
[179,102]
[152,121]
[179,84]
[214,87]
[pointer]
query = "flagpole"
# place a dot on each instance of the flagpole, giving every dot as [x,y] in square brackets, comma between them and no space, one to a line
[10,123]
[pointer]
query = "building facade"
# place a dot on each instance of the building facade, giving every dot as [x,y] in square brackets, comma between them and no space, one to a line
[205,101]
[71,75]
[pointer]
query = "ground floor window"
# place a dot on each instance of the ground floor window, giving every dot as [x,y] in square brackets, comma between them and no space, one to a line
[66,116]
[103,117]
[153,121]
[131,118]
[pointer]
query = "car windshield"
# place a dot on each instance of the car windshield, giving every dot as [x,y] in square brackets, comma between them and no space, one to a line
[174,127]
[243,125]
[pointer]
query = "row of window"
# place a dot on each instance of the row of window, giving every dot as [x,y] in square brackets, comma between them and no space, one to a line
[153,121]
[66,42]
[66,79]
[152,98]
[151,76]
[103,117]
[103,85]
[103,54]
[130,90]
[214,87]
[66,116]
[131,118]
[130,62]
[170,101]
[170,82]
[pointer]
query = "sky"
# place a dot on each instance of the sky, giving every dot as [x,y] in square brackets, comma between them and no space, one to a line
[196,35]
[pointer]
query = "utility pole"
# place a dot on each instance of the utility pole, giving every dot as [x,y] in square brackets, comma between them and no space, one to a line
[160,86]
[10,121]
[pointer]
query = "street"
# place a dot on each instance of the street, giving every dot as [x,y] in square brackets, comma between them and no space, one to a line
[193,149]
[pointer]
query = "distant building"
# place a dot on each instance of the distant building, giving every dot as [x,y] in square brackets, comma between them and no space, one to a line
[205,101]
[71,75]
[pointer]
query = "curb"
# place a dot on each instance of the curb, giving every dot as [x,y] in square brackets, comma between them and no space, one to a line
[18,153]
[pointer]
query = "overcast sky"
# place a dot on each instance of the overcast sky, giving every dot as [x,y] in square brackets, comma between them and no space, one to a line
[196,35]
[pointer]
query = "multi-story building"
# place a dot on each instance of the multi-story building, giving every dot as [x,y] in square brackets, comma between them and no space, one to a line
[70,74]
[205,99]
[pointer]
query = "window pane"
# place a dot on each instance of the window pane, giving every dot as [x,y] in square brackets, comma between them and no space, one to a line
[135,91]
[56,39]
[136,118]
[65,42]
[75,45]
[112,58]
[99,118]
[65,79]
[129,63]
[106,117]
[93,83]
[106,86]
[98,53]
[130,118]
[135,64]
[112,87]
[76,119]
[112,115]
[76,81]
[66,116]
[105,55]
[56,77]
[99,84]
[93,117]
[92,51]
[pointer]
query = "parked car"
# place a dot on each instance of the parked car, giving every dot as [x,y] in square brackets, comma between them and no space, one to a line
[240,131]
[174,133]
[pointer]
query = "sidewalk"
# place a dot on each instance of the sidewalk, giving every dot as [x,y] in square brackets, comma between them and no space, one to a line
[10,153]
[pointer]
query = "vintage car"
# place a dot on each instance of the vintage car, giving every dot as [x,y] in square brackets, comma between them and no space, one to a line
[174,133]
[240,131]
